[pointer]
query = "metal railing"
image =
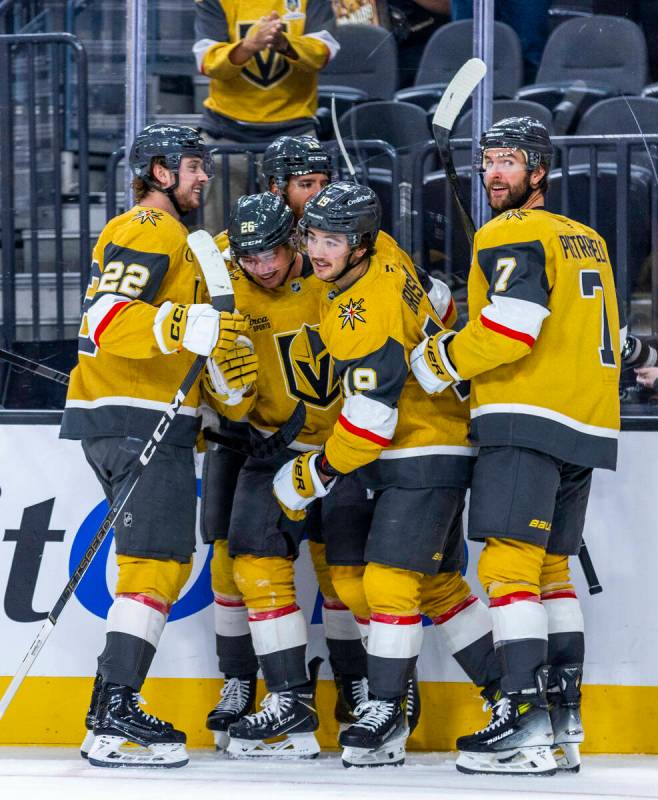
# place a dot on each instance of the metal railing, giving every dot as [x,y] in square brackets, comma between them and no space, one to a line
[26,121]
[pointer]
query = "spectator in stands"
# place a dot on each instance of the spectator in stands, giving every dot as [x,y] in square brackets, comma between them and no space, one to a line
[529,20]
[262,57]
[647,377]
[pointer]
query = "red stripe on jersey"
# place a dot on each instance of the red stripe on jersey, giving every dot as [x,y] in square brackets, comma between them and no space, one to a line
[145,599]
[362,620]
[515,597]
[509,332]
[275,613]
[394,619]
[363,433]
[452,612]
[559,594]
[222,601]
[334,605]
[451,308]
[111,314]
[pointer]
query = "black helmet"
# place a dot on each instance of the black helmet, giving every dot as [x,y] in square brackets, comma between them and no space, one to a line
[520,133]
[344,207]
[259,222]
[171,142]
[293,155]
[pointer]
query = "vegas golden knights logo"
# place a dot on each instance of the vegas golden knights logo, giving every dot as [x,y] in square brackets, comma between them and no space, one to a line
[308,367]
[271,67]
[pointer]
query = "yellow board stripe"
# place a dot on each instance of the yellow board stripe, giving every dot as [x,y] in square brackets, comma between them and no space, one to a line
[51,711]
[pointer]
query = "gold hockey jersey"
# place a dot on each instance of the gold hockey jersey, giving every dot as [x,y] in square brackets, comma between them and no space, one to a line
[542,344]
[123,382]
[271,87]
[388,426]
[293,362]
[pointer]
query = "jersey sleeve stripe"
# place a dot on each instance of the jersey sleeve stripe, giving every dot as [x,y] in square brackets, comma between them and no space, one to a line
[96,331]
[199,49]
[449,312]
[364,433]
[505,331]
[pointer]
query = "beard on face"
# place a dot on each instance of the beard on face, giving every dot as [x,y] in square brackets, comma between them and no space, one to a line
[515,197]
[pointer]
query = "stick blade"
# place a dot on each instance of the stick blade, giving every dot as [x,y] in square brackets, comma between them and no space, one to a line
[214,269]
[457,93]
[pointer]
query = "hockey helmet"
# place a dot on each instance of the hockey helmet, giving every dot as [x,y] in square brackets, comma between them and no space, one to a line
[293,155]
[259,222]
[344,207]
[170,142]
[519,133]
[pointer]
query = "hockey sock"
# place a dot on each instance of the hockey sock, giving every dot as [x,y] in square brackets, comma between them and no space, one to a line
[235,650]
[347,654]
[279,637]
[394,643]
[520,633]
[566,638]
[134,625]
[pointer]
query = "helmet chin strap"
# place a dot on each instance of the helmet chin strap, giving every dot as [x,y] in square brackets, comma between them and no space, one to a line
[349,266]
[169,192]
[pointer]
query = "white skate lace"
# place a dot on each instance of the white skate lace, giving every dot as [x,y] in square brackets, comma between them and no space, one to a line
[273,705]
[136,700]
[500,711]
[234,696]
[373,713]
[359,690]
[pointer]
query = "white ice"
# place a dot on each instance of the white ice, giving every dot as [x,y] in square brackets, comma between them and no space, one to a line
[33,773]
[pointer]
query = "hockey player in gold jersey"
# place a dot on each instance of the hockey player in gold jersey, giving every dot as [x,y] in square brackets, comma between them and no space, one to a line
[145,319]
[542,352]
[412,452]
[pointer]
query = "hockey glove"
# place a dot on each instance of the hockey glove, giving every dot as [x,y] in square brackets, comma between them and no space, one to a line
[431,364]
[195,327]
[636,353]
[231,376]
[297,484]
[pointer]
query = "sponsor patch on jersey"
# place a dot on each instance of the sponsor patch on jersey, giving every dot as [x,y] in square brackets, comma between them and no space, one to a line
[351,313]
[261,323]
[147,215]
[308,367]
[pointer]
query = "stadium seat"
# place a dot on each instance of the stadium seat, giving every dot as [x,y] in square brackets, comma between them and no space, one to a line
[587,59]
[449,47]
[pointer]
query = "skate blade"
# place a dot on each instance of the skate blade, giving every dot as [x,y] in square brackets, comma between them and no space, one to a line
[392,754]
[521,761]
[297,745]
[222,740]
[116,751]
[87,744]
[567,756]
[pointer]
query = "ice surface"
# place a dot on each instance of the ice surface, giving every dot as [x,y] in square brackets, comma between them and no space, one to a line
[29,773]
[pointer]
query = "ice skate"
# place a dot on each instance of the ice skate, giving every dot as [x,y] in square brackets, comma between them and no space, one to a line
[284,728]
[564,700]
[120,721]
[352,692]
[237,699]
[413,702]
[378,737]
[518,739]
[90,718]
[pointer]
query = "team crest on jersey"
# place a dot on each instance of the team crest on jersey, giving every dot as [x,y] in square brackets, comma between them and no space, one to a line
[271,67]
[308,367]
[516,213]
[351,313]
[148,215]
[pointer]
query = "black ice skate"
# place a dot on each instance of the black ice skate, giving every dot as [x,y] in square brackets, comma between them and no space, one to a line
[564,699]
[237,699]
[352,691]
[90,718]
[413,702]
[518,739]
[120,720]
[379,735]
[284,728]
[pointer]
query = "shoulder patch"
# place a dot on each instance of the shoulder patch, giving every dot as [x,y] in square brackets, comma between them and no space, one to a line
[351,312]
[147,215]
[515,213]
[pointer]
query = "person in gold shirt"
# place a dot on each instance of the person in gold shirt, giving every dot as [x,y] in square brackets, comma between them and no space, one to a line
[410,450]
[542,352]
[262,59]
[145,320]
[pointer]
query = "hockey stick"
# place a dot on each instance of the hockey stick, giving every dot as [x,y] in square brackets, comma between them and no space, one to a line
[221,292]
[454,97]
[33,366]
[339,139]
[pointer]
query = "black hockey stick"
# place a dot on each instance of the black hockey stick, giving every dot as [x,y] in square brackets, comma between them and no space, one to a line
[221,292]
[456,94]
[33,366]
[260,446]
[454,97]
